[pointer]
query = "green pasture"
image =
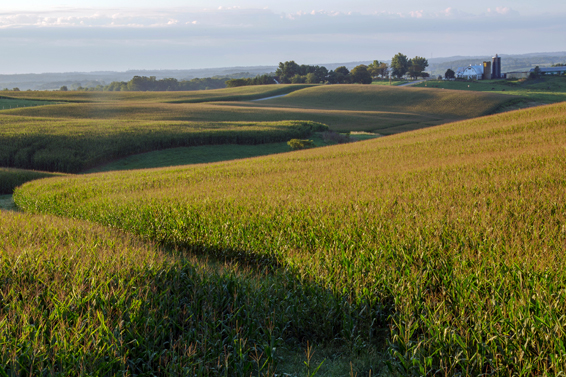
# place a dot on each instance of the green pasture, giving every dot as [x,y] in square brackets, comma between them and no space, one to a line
[210,153]
[438,251]
[542,90]
[10,103]
[192,155]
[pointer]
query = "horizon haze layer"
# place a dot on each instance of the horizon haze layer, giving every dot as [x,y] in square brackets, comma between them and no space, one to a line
[122,35]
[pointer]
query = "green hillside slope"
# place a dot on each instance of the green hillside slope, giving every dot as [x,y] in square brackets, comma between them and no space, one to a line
[449,242]
[441,103]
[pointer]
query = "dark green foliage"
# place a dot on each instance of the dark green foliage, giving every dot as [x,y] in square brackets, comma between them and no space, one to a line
[450,74]
[151,84]
[416,66]
[258,80]
[400,65]
[536,73]
[291,72]
[377,69]
[297,144]
[361,75]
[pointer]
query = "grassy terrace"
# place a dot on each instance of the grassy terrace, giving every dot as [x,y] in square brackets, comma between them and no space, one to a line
[443,247]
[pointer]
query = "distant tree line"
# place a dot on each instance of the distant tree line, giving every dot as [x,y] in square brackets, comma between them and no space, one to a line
[152,84]
[293,73]
[258,80]
[288,72]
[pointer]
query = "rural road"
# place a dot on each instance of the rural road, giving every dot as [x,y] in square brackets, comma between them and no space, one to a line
[412,83]
[263,99]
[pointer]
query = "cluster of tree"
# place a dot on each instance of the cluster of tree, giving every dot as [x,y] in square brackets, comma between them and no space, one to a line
[378,69]
[536,73]
[401,65]
[258,80]
[559,65]
[450,74]
[291,72]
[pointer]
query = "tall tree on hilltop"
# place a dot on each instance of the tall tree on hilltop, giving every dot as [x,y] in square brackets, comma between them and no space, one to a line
[417,65]
[287,70]
[400,65]
[342,75]
[361,75]
[377,68]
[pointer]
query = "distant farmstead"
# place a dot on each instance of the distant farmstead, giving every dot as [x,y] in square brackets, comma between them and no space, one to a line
[485,71]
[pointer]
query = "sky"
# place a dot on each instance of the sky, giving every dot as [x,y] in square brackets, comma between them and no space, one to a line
[119,35]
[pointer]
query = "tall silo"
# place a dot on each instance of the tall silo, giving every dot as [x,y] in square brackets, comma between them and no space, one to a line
[496,67]
[486,70]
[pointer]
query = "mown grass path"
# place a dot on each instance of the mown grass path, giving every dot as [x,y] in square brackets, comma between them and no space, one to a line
[7,203]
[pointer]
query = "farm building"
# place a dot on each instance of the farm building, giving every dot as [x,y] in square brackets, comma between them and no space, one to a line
[473,72]
[551,71]
[485,71]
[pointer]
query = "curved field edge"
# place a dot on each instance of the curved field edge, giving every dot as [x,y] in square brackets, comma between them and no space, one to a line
[72,146]
[12,178]
[208,153]
[453,236]
[81,297]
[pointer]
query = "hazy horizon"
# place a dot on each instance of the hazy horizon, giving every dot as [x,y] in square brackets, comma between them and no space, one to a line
[122,35]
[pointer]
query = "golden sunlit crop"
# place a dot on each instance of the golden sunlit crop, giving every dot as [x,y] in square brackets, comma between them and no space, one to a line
[448,242]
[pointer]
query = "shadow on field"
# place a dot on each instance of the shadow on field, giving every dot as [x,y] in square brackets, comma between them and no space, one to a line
[181,317]
[242,305]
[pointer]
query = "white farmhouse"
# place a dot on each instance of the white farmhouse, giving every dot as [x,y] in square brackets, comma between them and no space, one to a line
[473,72]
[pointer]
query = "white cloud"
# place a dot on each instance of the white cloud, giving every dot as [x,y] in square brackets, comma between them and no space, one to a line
[417,13]
[503,11]
[219,17]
